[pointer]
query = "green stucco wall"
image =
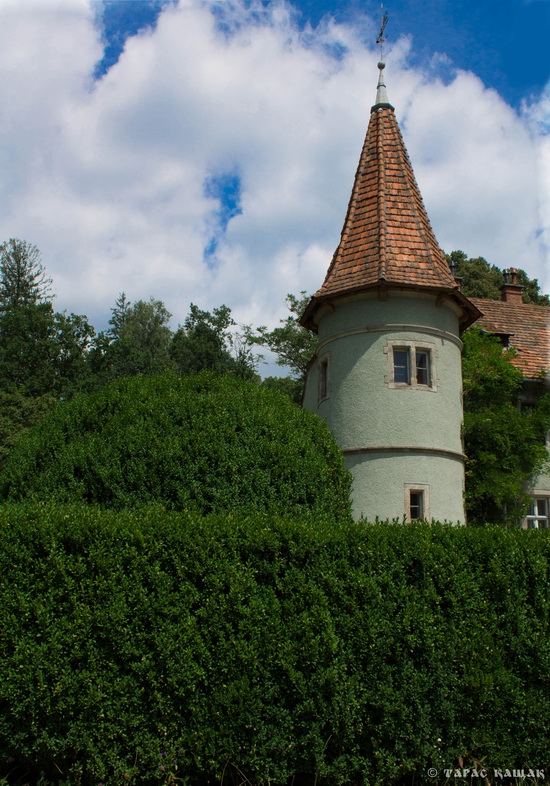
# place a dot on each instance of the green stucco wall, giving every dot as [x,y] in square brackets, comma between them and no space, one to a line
[369,416]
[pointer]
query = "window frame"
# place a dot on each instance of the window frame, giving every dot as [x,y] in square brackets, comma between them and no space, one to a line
[323,378]
[422,489]
[535,519]
[414,350]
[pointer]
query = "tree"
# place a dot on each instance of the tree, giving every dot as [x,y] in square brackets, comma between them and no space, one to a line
[43,354]
[480,279]
[289,386]
[73,337]
[292,344]
[119,316]
[531,290]
[23,279]
[205,341]
[27,348]
[504,445]
[18,414]
[137,342]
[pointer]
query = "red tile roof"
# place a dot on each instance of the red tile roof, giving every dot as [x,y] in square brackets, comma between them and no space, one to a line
[387,239]
[387,234]
[528,327]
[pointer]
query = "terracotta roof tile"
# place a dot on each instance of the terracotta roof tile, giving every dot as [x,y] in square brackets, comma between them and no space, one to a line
[387,235]
[387,239]
[528,327]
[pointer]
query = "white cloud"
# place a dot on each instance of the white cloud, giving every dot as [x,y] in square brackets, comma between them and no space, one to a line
[109,179]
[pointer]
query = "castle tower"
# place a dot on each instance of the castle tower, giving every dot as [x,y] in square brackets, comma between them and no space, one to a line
[387,371]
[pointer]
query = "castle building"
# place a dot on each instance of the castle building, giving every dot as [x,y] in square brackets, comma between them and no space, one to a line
[524,327]
[386,375]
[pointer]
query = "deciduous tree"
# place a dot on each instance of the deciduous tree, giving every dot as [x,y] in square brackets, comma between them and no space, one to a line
[291,343]
[504,445]
[136,343]
[481,279]
[205,341]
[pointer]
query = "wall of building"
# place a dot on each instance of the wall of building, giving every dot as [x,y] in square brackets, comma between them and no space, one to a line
[369,415]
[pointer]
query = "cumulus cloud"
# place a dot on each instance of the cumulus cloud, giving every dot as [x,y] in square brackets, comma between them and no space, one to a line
[112,179]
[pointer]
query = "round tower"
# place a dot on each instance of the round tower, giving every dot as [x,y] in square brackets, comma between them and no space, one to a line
[387,371]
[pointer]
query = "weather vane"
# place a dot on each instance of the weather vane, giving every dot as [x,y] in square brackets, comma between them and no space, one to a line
[381,37]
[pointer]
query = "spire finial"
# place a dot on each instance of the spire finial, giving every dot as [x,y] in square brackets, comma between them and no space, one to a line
[381,94]
[381,40]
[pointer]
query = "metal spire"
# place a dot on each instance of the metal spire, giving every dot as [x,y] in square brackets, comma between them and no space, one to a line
[381,93]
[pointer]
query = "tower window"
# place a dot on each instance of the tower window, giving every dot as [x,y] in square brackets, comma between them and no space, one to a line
[416,505]
[410,365]
[422,367]
[401,366]
[323,380]
[417,502]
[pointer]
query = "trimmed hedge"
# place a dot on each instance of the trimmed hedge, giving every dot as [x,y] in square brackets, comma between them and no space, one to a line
[204,443]
[140,646]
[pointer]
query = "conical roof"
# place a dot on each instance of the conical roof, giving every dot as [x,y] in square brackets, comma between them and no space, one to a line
[387,239]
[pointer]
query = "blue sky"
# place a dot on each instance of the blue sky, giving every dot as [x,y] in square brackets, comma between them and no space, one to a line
[204,150]
[505,42]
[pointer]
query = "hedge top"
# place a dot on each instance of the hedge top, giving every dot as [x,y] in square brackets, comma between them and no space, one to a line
[202,443]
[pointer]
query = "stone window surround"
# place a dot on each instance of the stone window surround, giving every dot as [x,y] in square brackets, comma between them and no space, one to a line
[323,379]
[422,488]
[412,346]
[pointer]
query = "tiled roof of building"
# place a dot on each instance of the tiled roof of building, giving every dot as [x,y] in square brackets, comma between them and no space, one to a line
[387,238]
[528,328]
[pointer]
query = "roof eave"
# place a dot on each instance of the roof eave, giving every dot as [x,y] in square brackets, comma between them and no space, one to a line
[470,313]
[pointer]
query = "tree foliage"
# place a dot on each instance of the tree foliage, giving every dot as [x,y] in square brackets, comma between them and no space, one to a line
[504,444]
[481,279]
[43,354]
[292,344]
[136,343]
[205,342]
[142,647]
[203,443]
[23,279]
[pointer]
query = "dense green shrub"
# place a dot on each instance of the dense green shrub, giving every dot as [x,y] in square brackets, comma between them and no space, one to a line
[202,443]
[137,644]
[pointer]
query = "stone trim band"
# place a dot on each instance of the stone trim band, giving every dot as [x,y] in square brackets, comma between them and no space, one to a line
[422,329]
[452,454]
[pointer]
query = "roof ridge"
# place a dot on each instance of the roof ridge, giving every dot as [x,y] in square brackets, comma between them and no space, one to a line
[382,224]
